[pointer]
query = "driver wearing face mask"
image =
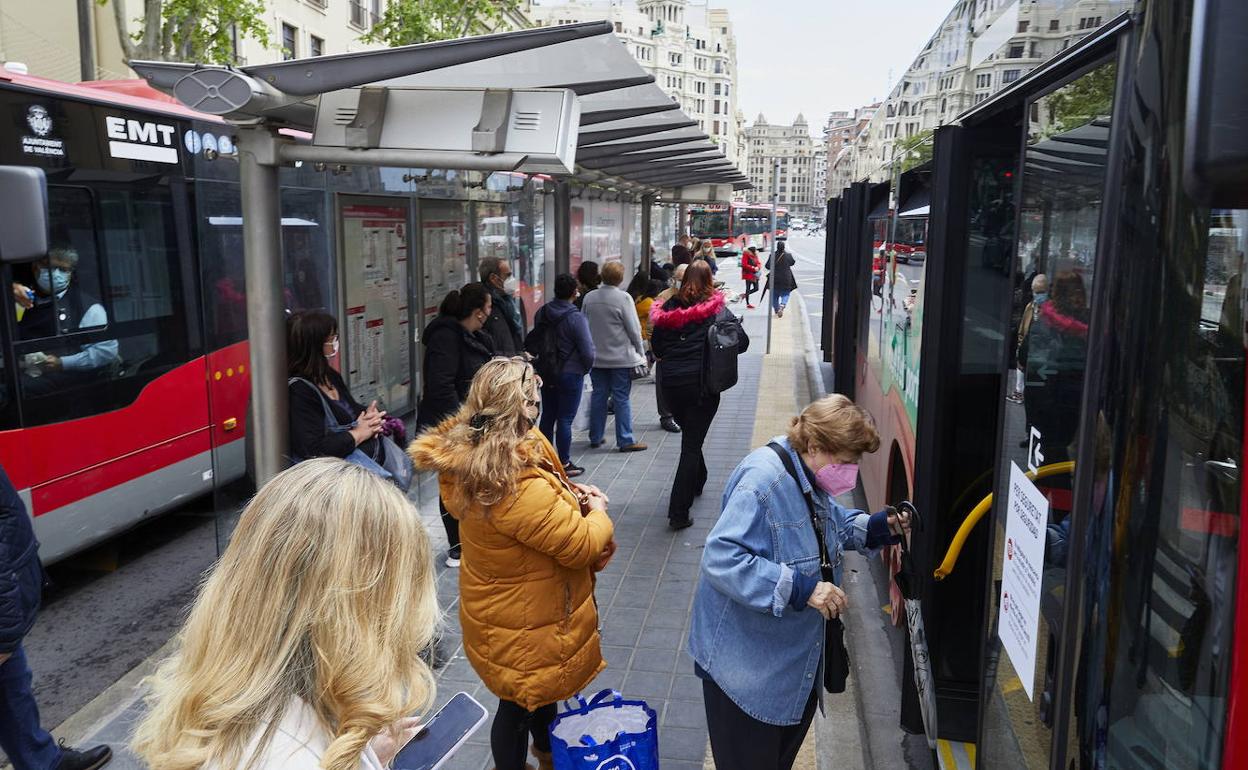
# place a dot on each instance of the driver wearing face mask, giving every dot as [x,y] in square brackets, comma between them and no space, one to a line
[505,326]
[55,307]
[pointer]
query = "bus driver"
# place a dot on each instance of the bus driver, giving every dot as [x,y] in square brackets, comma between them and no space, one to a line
[58,306]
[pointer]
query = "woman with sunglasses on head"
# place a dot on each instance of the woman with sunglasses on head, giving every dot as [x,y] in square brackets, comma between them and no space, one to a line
[532,541]
[311,347]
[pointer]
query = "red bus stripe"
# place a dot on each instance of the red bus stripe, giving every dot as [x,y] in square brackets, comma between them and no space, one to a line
[1235,748]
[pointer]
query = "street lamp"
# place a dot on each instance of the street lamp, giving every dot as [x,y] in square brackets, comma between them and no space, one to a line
[775,199]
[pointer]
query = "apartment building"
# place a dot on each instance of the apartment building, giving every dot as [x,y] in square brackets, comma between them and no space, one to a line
[690,49]
[795,149]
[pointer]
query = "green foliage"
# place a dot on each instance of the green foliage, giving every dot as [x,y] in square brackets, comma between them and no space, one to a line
[200,31]
[915,150]
[406,22]
[1081,102]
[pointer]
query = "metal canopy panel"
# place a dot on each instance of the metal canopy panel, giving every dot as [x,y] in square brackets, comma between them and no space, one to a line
[628,112]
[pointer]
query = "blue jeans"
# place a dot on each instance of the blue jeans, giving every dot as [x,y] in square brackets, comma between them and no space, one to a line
[28,746]
[617,384]
[559,403]
[780,299]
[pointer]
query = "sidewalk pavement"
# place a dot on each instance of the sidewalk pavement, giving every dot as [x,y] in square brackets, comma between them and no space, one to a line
[646,593]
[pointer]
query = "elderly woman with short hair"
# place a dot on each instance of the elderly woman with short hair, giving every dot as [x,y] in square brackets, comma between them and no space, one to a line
[771,581]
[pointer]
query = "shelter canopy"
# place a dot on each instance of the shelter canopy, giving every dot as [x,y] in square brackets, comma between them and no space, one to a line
[625,132]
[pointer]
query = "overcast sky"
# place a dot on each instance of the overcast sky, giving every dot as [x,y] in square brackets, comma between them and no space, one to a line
[816,56]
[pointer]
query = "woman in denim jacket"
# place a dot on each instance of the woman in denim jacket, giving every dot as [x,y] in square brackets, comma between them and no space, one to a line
[760,607]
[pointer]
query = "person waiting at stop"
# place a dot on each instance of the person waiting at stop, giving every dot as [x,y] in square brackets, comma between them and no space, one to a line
[58,305]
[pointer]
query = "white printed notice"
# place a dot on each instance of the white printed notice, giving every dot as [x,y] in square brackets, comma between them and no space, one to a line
[1027,515]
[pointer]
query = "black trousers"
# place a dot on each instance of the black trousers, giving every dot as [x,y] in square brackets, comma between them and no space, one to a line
[694,412]
[509,735]
[750,288]
[450,524]
[741,742]
[660,399]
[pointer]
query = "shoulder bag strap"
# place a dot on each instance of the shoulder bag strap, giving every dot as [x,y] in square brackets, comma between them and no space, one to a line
[824,559]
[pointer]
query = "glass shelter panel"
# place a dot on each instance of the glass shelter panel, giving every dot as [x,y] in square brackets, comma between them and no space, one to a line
[444,252]
[1062,187]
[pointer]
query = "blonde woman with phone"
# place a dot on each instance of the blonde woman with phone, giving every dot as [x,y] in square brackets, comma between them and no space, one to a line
[303,647]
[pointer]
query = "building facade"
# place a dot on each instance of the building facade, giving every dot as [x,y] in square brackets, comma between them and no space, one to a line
[795,149]
[981,47]
[45,36]
[690,49]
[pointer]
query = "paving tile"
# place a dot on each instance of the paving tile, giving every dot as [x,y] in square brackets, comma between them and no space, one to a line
[647,685]
[686,687]
[660,661]
[662,638]
[682,743]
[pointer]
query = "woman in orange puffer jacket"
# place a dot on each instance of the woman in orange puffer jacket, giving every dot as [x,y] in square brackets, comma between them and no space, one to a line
[532,541]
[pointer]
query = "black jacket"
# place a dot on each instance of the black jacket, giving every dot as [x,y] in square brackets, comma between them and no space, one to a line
[782,279]
[21,575]
[308,435]
[678,337]
[452,356]
[508,340]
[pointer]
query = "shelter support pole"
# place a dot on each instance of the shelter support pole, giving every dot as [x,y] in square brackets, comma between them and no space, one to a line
[682,221]
[771,273]
[267,427]
[563,227]
[647,203]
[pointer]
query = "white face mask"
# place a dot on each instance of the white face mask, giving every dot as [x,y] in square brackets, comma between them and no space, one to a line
[335,347]
[511,285]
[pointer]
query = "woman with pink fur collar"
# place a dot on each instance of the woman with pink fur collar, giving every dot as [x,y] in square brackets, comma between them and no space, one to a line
[678,340]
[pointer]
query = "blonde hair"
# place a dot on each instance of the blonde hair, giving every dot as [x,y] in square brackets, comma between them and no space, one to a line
[326,593]
[492,422]
[707,250]
[613,273]
[834,424]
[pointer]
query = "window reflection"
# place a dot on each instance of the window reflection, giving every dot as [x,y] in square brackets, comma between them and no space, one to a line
[1063,181]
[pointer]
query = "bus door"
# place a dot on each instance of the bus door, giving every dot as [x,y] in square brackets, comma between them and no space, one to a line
[1062,190]
[852,285]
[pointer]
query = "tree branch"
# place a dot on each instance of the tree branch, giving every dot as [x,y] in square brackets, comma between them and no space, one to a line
[127,45]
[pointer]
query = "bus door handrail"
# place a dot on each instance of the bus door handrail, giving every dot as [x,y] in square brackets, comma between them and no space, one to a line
[977,513]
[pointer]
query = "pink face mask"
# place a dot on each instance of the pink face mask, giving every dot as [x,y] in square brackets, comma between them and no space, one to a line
[837,478]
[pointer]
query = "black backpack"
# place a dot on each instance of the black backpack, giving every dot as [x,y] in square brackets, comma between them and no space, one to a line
[543,344]
[725,340]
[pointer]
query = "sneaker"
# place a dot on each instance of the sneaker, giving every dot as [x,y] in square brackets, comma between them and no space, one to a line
[572,469]
[596,444]
[89,759]
[780,313]
[634,447]
[748,306]
[669,424]
[453,556]
[1015,398]
[679,524]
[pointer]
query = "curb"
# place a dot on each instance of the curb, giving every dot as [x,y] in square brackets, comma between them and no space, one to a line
[814,378]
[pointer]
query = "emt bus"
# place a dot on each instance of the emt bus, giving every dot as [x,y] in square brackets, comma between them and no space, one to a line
[1086,600]
[734,226]
[125,391]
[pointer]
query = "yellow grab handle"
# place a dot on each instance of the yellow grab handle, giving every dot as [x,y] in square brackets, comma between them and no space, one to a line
[977,513]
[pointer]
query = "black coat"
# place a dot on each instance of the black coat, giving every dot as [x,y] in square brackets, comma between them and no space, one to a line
[309,436]
[452,357]
[678,338]
[21,575]
[782,279]
[508,340]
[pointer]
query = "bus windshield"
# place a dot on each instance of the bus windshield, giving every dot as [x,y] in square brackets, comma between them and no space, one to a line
[709,223]
[753,221]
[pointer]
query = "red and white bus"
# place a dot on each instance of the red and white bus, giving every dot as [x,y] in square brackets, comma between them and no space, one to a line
[123,411]
[731,227]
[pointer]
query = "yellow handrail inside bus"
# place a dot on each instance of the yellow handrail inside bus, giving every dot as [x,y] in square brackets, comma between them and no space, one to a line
[977,513]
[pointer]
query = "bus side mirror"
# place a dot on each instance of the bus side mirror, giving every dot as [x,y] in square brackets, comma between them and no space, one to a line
[1215,158]
[23,213]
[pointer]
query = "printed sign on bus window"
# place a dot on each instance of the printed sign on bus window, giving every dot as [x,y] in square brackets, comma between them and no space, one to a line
[40,140]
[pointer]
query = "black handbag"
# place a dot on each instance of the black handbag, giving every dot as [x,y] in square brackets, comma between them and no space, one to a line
[835,655]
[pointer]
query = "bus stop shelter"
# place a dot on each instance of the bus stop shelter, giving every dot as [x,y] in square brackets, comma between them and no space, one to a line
[568,101]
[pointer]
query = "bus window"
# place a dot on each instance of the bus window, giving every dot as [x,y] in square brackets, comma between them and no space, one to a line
[709,224]
[106,314]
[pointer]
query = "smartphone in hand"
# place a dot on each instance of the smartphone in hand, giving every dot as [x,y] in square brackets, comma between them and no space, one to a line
[443,735]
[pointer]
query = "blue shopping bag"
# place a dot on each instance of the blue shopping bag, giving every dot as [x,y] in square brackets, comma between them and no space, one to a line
[606,733]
